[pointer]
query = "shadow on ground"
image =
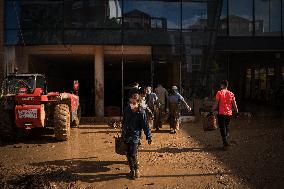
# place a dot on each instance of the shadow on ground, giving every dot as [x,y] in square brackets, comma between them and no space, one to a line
[85,169]
[256,154]
[103,132]
[65,173]
[174,150]
[33,137]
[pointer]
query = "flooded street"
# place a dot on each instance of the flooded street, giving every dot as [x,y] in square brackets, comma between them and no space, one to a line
[191,158]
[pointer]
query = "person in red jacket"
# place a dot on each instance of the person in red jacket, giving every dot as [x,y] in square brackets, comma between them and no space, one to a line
[225,102]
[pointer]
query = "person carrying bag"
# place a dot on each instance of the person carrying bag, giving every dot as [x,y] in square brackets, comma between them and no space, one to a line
[225,102]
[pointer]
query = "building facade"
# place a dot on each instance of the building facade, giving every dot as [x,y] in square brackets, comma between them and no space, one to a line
[109,44]
[250,47]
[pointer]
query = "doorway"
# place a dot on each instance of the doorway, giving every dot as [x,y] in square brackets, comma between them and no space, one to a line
[62,70]
[120,74]
[146,65]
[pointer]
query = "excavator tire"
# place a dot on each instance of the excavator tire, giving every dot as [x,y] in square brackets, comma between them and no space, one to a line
[62,122]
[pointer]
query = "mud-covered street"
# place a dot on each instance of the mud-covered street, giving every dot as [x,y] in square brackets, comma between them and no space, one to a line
[191,158]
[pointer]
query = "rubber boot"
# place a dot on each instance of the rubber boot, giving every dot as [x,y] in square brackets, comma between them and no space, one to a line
[136,168]
[131,166]
[177,124]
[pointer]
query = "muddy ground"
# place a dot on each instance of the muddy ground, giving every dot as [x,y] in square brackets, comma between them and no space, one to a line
[189,159]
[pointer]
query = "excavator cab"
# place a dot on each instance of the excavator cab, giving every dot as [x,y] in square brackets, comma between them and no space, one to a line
[15,84]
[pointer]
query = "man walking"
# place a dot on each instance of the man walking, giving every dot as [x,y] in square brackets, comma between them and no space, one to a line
[225,102]
[135,120]
[174,102]
[153,104]
[162,94]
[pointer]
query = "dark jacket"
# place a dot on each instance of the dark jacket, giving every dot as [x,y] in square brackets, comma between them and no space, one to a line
[151,100]
[133,124]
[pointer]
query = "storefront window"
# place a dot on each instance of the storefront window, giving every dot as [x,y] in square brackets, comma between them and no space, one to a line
[256,73]
[248,73]
[255,92]
[12,8]
[193,47]
[261,17]
[41,14]
[270,83]
[151,22]
[152,14]
[91,36]
[270,71]
[240,17]
[12,37]
[166,58]
[223,25]
[33,22]
[194,39]
[194,15]
[275,17]
[43,37]
[262,76]
[248,82]
[92,14]
[149,37]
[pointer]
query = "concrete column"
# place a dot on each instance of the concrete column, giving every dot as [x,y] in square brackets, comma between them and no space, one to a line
[99,81]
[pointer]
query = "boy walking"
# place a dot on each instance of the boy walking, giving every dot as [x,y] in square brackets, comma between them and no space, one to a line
[135,120]
[225,102]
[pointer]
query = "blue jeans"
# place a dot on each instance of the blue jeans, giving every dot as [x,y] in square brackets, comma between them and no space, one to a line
[132,149]
[132,155]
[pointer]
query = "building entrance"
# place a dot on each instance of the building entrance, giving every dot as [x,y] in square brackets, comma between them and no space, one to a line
[146,65]
[114,68]
[62,70]
[120,74]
